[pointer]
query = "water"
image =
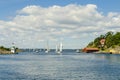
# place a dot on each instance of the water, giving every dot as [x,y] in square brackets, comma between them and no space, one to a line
[68,66]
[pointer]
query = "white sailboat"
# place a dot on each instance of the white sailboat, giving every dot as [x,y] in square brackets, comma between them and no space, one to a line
[59,48]
[47,48]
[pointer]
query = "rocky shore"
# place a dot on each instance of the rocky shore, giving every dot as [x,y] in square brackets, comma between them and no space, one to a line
[7,52]
[115,50]
[112,50]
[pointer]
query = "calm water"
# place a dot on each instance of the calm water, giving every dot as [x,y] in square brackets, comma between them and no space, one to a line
[68,66]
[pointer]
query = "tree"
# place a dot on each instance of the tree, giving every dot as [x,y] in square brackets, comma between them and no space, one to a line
[111,40]
[116,38]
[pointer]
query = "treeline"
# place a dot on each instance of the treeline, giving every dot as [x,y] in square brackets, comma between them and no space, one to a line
[111,40]
[4,48]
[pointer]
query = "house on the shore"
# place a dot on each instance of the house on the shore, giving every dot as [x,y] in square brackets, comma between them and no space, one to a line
[89,50]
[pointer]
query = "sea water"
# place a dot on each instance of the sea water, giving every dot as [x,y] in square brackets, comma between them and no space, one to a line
[69,65]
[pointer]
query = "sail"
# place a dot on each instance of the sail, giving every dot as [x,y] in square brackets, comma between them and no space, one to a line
[59,48]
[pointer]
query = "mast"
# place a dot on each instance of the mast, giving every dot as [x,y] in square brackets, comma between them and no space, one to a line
[47,47]
[56,48]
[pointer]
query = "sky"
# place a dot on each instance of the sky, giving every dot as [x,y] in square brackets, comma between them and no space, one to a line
[75,23]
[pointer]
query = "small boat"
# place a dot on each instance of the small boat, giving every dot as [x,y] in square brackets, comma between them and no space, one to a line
[46,51]
[37,51]
[77,50]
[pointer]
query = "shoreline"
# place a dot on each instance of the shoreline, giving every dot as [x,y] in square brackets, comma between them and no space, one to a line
[5,52]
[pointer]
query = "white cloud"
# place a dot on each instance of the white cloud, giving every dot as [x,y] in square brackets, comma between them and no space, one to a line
[34,24]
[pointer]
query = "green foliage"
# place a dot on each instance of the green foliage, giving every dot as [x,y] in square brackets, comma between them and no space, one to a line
[111,40]
[117,38]
[97,42]
[4,49]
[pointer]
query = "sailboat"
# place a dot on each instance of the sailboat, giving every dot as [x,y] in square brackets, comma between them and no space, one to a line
[59,48]
[47,48]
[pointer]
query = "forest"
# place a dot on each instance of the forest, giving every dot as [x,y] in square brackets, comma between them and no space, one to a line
[111,40]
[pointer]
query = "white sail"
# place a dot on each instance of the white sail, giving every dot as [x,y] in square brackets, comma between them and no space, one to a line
[59,48]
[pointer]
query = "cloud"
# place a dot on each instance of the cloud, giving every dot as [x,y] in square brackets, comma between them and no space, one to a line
[34,24]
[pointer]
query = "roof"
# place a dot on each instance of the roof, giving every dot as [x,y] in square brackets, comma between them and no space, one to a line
[91,48]
[88,50]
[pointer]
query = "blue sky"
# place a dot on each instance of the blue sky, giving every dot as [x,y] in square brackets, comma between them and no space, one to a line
[34,22]
[9,7]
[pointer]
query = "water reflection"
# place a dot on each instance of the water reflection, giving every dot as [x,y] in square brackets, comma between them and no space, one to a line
[110,57]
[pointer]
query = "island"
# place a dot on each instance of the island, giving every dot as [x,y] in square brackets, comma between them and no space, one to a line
[4,50]
[107,43]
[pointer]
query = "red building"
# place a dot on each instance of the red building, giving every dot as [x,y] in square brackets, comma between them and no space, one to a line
[88,50]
